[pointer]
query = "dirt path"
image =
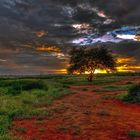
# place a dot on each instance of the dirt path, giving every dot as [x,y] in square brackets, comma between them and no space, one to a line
[83,116]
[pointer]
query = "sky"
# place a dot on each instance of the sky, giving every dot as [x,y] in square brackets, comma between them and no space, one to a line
[36,35]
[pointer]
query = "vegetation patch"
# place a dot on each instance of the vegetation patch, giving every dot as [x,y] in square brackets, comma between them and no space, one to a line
[62,128]
[103,113]
[28,97]
[133,95]
[17,86]
[4,124]
[133,134]
[77,130]
[42,129]
[84,89]
[21,129]
[24,99]
[114,88]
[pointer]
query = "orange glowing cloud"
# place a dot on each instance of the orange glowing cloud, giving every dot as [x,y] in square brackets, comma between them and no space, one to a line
[137,38]
[53,50]
[127,64]
[40,34]
[126,60]
[50,49]
[61,71]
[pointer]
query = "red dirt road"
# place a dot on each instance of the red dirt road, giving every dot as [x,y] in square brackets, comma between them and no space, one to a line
[83,116]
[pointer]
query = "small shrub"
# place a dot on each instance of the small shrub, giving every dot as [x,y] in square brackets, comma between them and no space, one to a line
[26,85]
[39,122]
[103,113]
[7,137]
[42,129]
[40,118]
[84,89]
[62,128]
[65,86]
[127,83]
[133,134]
[77,130]
[133,95]
[35,138]
[21,129]
[4,124]
[107,97]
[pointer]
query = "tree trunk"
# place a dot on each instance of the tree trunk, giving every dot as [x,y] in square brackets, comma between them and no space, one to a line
[90,77]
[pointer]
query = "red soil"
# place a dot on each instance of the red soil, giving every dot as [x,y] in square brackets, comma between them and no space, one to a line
[83,116]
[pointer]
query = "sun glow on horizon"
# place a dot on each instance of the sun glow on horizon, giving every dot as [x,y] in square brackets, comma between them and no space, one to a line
[97,71]
[124,64]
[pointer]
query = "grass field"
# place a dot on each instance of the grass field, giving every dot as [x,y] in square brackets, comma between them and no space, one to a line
[23,98]
[26,97]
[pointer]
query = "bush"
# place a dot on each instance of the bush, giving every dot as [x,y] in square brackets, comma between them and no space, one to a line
[26,85]
[133,95]
[4,124]
[133,134]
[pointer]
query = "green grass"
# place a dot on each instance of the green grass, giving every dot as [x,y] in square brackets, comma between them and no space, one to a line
[16,87]
[28,97]
[25,98]
[114,87]
[133,95]
[121,96]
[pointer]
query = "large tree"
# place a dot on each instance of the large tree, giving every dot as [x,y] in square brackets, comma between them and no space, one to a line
[85,59]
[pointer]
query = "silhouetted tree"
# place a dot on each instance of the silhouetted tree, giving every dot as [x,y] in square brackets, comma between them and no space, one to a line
[89,59]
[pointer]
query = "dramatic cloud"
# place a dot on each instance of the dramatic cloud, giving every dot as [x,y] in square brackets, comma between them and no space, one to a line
[29,27]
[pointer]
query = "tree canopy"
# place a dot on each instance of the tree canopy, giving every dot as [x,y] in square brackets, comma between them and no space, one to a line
[85,59]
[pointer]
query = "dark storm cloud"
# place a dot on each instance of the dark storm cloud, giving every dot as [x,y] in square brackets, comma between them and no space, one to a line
[124,11]
[56,17]
[28,62]
[23,21]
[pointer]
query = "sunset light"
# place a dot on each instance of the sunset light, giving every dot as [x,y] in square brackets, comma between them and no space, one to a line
[69,69]
[49,49]
[40,34]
